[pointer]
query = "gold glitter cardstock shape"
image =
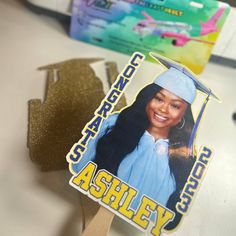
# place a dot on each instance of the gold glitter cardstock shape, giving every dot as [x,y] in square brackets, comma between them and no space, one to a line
[73,93]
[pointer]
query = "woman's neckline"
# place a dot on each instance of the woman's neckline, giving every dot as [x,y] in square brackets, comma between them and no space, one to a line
[156,140]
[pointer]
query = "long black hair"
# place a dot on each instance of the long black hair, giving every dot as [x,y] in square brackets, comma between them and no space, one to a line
[125,135]
[129,128]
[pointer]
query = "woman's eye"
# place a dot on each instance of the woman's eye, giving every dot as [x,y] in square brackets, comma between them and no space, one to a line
[175,106]
[159,99]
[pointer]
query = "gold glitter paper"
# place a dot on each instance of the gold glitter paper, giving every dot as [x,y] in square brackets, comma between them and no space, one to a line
[73,94]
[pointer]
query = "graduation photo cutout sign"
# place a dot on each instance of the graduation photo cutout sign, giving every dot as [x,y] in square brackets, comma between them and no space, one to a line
[141,163]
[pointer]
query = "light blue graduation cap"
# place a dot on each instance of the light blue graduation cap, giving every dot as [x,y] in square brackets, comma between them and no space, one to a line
[182,82]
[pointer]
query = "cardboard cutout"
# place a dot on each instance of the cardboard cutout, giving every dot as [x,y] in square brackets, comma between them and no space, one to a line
[141,163]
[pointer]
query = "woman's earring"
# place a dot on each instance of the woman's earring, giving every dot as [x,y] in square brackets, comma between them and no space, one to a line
[181,124]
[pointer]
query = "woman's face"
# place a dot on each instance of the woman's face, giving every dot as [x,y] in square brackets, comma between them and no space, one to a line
[165,110]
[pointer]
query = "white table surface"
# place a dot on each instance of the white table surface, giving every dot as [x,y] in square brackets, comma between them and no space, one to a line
[42,204]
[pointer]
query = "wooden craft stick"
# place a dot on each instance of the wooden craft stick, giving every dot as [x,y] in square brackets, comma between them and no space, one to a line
[100,224]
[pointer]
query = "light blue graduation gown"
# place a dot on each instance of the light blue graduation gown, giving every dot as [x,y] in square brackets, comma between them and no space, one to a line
[146,168]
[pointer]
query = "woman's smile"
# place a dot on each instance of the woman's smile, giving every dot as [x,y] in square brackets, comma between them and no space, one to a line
[159,117]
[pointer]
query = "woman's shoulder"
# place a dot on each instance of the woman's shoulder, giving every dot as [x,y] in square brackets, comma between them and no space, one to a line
[109,122]
[111,119]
